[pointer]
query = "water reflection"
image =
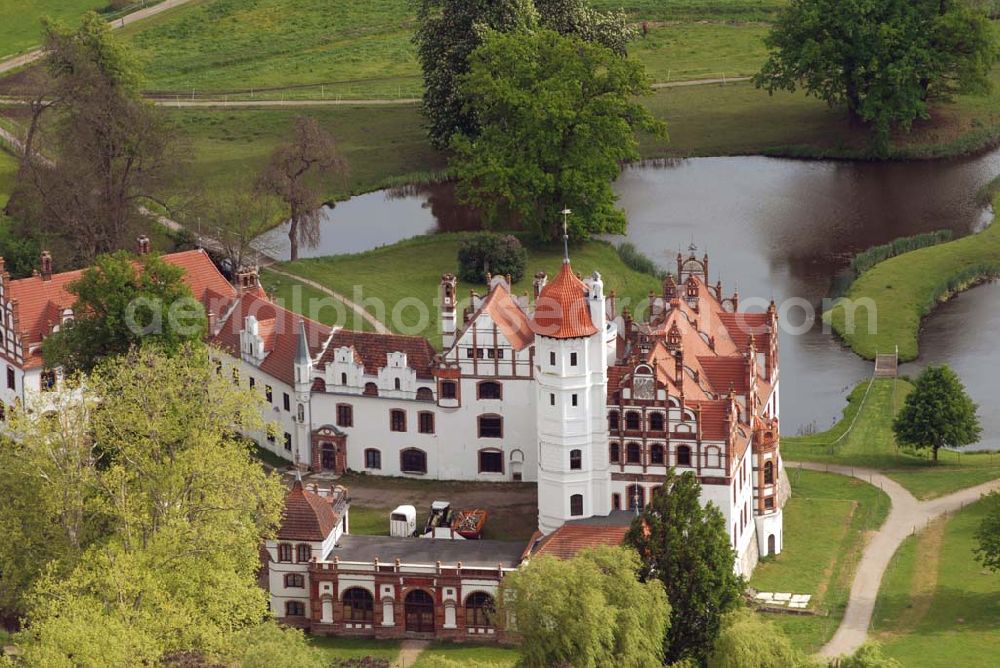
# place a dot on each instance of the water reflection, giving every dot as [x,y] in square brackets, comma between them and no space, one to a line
[773,229]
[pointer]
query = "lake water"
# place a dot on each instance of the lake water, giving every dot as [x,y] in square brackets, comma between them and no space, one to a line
[773,228]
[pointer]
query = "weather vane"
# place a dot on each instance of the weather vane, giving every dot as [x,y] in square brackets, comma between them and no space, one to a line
[565,214]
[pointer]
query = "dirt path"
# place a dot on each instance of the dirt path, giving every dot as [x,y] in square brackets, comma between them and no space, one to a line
[368,317]
[906,517]
[27,58]
[409,650]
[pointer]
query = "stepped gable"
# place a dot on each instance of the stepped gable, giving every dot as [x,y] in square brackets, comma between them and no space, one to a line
[279,329]
[306,516]
[561,310]
[373,348]
[42,300]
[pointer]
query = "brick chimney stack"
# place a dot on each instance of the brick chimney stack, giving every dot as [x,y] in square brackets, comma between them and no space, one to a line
[46,265]
[142,245]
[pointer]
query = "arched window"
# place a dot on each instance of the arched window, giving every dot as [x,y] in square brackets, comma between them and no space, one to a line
[343,379]
[575,460]
[616,501]
[425,394]
[479,607]
[303,552]
[371,389]
[683,456]
[614,452]
[613,421]
[576,505]
[284,551]
[412,460]
[656,454]
[768,473]
[633,453]
[295,581]
[636,496]
[633,420]
[489,389]
[359,605]
[418,611]
[295,609]
[656,421]
[490,426]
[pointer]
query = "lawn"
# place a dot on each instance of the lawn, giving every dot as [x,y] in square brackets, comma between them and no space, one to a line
[683,51]
[377,274]
[338,649]
[309,301]
[937,606]
[871,444]
[906,288]
[827,521]
[467,655]
[8,170]
[20,21]
[677,10]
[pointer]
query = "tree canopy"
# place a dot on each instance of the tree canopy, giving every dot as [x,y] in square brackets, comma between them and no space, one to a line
[487,254]
[988,534]
[557,118]
[885,60]
[938,413]
[588,611]
[141,513]
[122,301]
[685,545]
[747,639]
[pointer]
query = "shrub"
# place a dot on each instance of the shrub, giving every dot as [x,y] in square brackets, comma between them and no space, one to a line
[865,260]
[487,253]
[634,259]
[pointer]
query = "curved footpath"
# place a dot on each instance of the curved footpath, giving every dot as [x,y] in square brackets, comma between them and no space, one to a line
[906,517]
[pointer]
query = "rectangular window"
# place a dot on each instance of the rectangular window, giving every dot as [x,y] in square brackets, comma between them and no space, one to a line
[552,399]
[490,461]
[448,389]
[284,552]
[470,353]
[397,420]
[303,553]
[614,452]
[287,401]
[572,359]
[253,382]
[48,380]
[288,441]
[295,581]
[345,415]
[490,426]
[490,390]
[552,359]
[10,379]
[373,459]
[575,400]
[491,353]
[268,394]
[426,423]
[769,502]
[616,502]
[576,505]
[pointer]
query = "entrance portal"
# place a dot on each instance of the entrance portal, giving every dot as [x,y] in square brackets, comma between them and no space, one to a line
[419,608]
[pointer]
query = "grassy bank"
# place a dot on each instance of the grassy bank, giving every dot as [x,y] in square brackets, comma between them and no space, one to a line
[827,522]
[464,654]
[937,606]
[906,288]
[20,21]
[8,170]
[871,444]
[412,270]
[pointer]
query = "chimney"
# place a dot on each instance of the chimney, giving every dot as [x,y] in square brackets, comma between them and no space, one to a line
[142,245]
[46,265]
[246,280]
[211,323]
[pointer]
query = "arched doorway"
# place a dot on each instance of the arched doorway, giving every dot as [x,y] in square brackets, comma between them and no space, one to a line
[770,544]
[419,609]
[328,456]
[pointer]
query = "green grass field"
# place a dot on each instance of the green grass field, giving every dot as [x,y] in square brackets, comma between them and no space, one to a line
[426,258]
[906,288]
[871,444]
[827,521]
[937,606]
[8,170]
[678,10]
[20,21]
[339,649]
[467,655]
[312,303]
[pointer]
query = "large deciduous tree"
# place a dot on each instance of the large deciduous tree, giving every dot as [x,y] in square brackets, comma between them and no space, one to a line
[237,220]
[576,17]
[685,545]
[558,116]
[122,301]
[94,149]
[885,60]
[293,174]
[587,611]
[988,534]
[174,508]
[938,413]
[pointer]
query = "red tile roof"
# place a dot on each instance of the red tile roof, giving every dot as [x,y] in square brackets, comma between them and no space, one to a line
[279,329]
[306,516]
[561,310]
[509,317]
[373,349]
[724,373]
[566,541]
[712,418]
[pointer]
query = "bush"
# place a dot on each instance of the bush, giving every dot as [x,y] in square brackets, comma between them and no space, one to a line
[634,259]
[490,254]
[865,260]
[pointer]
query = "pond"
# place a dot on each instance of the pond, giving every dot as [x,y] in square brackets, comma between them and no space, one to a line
[773,228]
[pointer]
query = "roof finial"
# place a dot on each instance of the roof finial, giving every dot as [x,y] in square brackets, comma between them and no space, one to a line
[565,214]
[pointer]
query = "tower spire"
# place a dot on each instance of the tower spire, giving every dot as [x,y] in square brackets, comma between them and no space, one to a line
[565,214]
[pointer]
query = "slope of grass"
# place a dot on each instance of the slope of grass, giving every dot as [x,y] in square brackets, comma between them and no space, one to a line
[905,289]
[675,10]
[8,170]
[20,21]
[316,305]
[826,521]
[412,270]
[682,51]
[461,655]
[872,444]
[937,605]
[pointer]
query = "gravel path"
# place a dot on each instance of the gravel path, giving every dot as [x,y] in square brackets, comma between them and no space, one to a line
[906,518]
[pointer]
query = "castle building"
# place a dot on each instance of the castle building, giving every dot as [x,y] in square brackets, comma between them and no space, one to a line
[555,388]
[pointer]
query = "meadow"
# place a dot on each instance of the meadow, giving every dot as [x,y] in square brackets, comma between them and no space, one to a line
[21,22]
[937,606]
[827,522]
